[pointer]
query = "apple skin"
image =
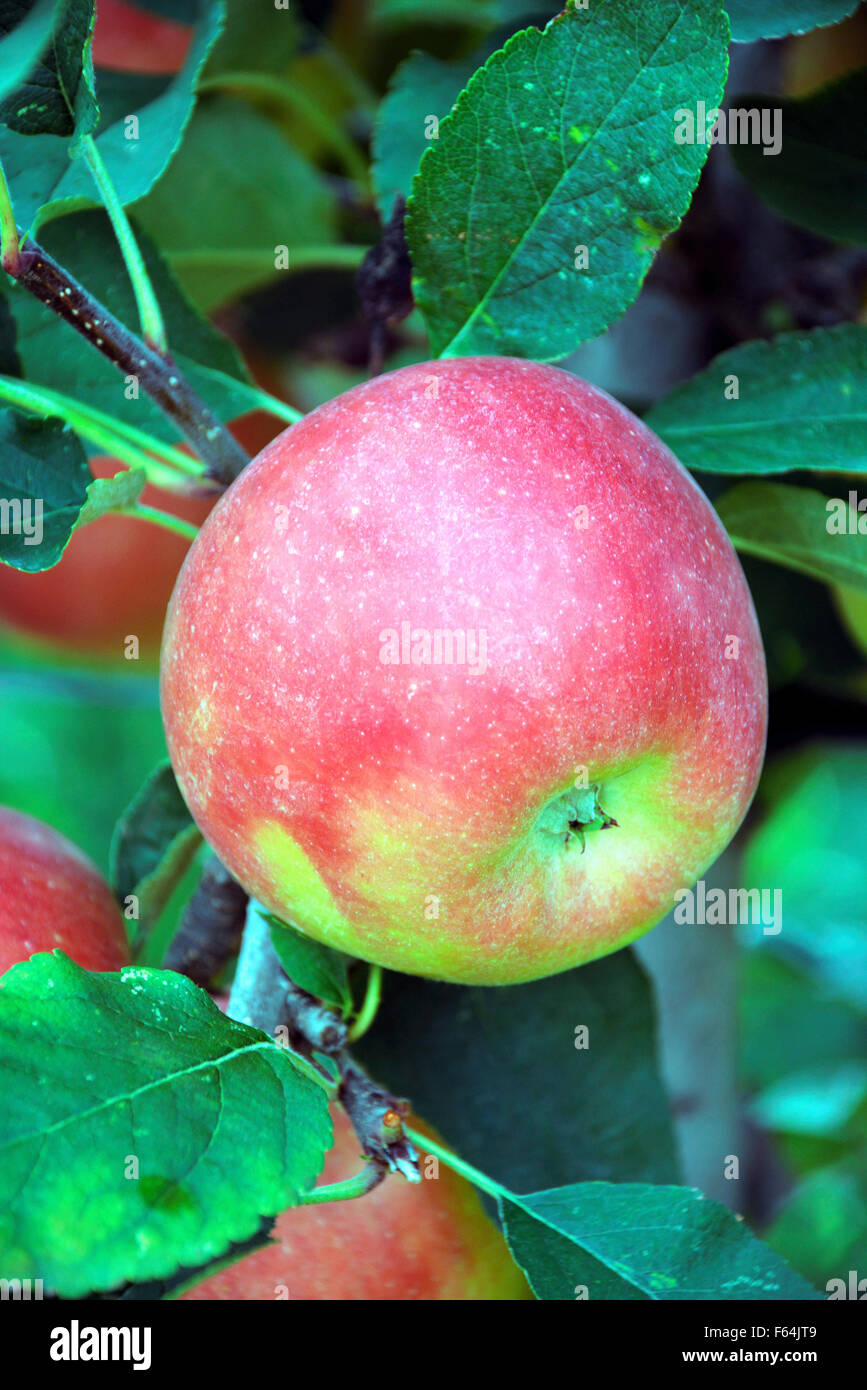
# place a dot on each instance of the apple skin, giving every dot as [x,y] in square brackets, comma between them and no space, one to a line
[52,896]
[116,575]
[127,38]
[402,1241]
[417,815]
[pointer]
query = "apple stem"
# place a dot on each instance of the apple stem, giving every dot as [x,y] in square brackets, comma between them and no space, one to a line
[370,1005]
[210,929]
[157,374]
[370,1177]
[150,314]
[159,518]
[466,1170]
[9,242]
[263,996]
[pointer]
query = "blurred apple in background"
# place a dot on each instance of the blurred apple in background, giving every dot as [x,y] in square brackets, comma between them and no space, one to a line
[403,1241]
[116,576]
[813,59]
[128,38]
[52,896]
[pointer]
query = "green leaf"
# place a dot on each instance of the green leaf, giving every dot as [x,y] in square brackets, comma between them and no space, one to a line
[790,1022]
[389,14]
[822,1226]
[771,19]
[561,145]
[113,494]
[473,1060]
[810,847]
[153,845]
[802,403]
[99,1182]
[818,180]
[820,1100]
[421,87]
[790,526]
[44,479]
[258,37]
[220,212]
[634,1241]
[53,354]
[135,147]
[56,97]
[26,30]
[312,966]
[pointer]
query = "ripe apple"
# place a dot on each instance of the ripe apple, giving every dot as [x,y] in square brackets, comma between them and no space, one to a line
[116,575]
[462,675]
[400,1242]
[51,895]
[128,38]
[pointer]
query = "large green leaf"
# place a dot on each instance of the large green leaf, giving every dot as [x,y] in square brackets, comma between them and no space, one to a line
[54,355]
[771,19]
[801,403]
[220,211]
[135,146]
[561,146]
[420,88]
[789,525]
[129,1103]
[43,471]
[632,1241]
[518,1087]
[44,479]
[819,177]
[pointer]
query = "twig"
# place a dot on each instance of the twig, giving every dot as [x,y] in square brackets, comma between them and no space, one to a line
[384,284]
[377,1118]
[211,926]
[263,997]
[158,375]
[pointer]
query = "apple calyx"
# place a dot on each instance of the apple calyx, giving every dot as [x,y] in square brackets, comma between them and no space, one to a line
[573,812]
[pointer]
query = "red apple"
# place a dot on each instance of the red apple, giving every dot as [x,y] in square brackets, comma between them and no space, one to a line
[400,1242]
[415,628]
[116,575]
[52,896]
[128,38]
